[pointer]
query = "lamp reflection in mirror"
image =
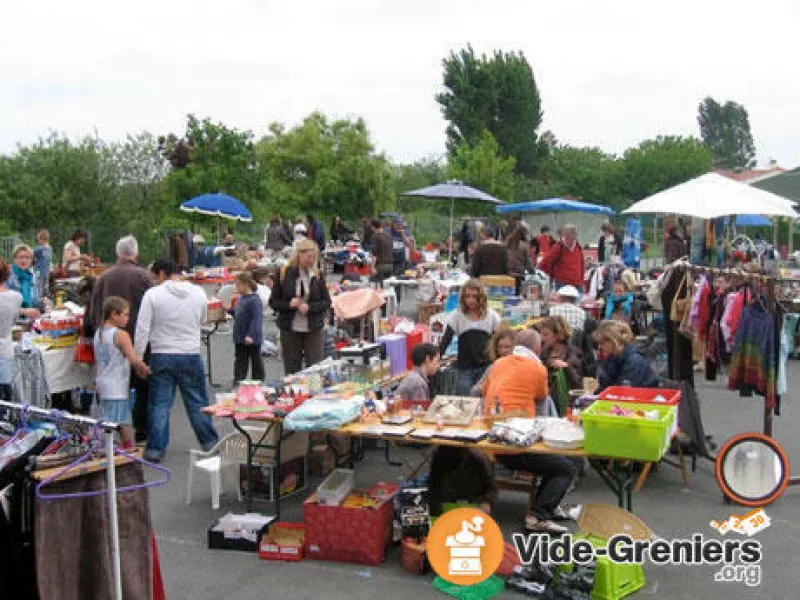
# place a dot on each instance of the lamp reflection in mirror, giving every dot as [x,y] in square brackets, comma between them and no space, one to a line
[752,469]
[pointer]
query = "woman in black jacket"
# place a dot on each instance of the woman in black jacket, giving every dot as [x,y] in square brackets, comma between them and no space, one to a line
[301,299]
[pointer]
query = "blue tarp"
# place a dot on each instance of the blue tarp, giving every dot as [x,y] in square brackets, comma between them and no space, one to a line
[555,205]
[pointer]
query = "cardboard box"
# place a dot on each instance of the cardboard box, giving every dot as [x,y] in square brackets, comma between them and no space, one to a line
[292,478]
[283,541]
[243,540]
[338,533]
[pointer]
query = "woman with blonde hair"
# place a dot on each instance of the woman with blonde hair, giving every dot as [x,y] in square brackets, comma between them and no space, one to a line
[558,354]
[621,362]
[473,325]
[301,299]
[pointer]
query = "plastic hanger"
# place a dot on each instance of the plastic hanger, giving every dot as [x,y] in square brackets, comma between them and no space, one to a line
[140,486]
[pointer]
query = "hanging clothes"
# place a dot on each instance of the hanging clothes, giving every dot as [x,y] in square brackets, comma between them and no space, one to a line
[731,318]
[679,347]
[700,312]
[754,361]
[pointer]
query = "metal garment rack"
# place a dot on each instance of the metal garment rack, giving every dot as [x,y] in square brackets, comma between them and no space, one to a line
[768,281]
[111,477]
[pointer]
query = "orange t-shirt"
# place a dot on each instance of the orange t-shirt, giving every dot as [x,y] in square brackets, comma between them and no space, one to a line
[517,382]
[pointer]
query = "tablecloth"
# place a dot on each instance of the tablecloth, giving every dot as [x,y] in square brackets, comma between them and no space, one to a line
[37,374]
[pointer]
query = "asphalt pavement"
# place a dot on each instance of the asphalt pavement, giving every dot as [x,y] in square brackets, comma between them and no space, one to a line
[192,571]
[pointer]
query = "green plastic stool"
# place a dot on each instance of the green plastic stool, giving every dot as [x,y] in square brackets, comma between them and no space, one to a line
[612,580]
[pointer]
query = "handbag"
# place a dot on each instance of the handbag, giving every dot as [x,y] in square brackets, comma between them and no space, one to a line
[680,304]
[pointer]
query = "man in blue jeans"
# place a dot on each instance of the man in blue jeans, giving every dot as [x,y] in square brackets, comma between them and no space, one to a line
[170,318]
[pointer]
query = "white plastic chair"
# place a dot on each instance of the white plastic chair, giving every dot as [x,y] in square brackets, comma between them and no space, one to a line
[224,456]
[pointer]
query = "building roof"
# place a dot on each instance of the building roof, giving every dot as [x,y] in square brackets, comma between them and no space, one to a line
[750,175]
[786,184]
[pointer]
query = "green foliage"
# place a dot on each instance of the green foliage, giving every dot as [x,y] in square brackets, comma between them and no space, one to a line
[661,163]
[499,95]
[484,167]
[325,168]
[725,128]
[584,174]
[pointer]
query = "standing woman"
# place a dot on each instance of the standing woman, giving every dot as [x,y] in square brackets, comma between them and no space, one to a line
[72,259]
[558,354]
[473,324]
[10,305]
[301,299]
[25,280]
[519,256]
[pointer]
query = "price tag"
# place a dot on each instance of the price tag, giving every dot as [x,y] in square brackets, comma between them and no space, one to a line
[755,521]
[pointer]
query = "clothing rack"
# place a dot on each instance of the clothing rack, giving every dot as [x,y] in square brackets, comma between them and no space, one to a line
[747,276]
[109,428]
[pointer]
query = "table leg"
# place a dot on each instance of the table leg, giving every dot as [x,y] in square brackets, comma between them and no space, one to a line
[252,448]
[207,340]
[619,479]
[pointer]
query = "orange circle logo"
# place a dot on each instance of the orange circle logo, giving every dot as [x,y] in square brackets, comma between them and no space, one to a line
[465,546]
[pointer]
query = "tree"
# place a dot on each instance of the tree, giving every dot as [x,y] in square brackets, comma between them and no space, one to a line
[583,173]
[725,129]
[497,94]
[326,168]
[661,163]
[483,166]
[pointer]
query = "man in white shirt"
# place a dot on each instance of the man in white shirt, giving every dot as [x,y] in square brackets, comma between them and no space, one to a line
[170,318]
[568,308]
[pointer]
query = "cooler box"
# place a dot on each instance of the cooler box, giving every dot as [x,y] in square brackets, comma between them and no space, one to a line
[412,339]
[615,436]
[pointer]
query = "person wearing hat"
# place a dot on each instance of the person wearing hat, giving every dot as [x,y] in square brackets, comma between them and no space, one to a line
[567,307]
[300,234]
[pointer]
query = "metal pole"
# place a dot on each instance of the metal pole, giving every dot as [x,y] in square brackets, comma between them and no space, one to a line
[112,513]
[450,245]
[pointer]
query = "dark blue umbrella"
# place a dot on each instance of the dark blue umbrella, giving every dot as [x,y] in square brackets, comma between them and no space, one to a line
[218,205]
[555,205]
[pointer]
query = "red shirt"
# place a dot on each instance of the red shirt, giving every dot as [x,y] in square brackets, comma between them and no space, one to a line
[545,242]
[565,265]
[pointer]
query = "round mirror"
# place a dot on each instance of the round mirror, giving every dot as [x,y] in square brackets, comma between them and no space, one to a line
[752,469]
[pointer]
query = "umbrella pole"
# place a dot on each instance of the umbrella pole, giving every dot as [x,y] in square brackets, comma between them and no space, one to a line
[452,241]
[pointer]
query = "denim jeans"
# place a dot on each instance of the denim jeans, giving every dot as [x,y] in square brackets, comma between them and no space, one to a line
[468,377]
[557,474]
[184,371]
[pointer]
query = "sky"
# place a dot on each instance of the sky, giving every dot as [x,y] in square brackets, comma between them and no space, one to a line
[611,73]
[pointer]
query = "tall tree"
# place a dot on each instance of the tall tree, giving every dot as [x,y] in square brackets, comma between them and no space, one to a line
[483,166]
[583,173]
[663,162]
[725,129]
[325,167]
[497,94]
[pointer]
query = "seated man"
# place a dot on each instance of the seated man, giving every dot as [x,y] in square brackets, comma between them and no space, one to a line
[566,306]
[519,383]
[425,358]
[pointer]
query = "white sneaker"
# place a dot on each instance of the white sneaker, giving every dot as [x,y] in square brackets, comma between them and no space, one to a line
[534,525]
[567,512]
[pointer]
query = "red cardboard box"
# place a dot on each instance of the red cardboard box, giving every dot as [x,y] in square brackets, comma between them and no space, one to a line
[357,535]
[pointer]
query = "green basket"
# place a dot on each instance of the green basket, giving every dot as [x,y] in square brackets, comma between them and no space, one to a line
[626,437]
[612,580]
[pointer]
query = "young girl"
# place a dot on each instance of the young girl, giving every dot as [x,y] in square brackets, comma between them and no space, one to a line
[619,305]
[248,329]
[114,356]
[473,324]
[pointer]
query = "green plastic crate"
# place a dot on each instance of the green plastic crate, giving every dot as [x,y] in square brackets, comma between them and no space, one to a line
[612,581]
[625,437]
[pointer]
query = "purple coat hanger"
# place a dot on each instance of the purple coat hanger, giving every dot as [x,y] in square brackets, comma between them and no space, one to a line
[129,488]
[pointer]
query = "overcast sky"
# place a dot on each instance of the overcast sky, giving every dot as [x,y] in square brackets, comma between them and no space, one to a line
[610,73]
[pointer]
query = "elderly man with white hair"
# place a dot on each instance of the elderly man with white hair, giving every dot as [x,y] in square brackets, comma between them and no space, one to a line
[127,280]
[564,262]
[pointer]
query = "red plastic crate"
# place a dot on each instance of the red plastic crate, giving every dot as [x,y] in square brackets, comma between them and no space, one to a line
[640,395]
[270,549]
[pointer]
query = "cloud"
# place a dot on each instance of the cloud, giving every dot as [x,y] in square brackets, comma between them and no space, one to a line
[610,73]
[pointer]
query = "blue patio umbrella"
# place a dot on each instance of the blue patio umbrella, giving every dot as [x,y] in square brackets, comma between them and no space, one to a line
[451,190]
[218,205]
[753,221]
[555,205]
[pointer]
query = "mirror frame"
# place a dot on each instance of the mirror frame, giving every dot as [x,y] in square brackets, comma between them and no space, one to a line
[753,437]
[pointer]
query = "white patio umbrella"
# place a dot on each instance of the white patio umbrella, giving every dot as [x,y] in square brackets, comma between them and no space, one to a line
[710,196]
[453,189]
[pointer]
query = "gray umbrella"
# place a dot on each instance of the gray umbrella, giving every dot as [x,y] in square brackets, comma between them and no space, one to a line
[453,189]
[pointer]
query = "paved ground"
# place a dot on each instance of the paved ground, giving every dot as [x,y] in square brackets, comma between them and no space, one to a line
[193,572]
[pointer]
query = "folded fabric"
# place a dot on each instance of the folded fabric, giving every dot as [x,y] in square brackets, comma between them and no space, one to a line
[321,415]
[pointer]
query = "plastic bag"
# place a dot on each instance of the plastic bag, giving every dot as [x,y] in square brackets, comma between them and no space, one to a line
[561,391]
[321,415]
